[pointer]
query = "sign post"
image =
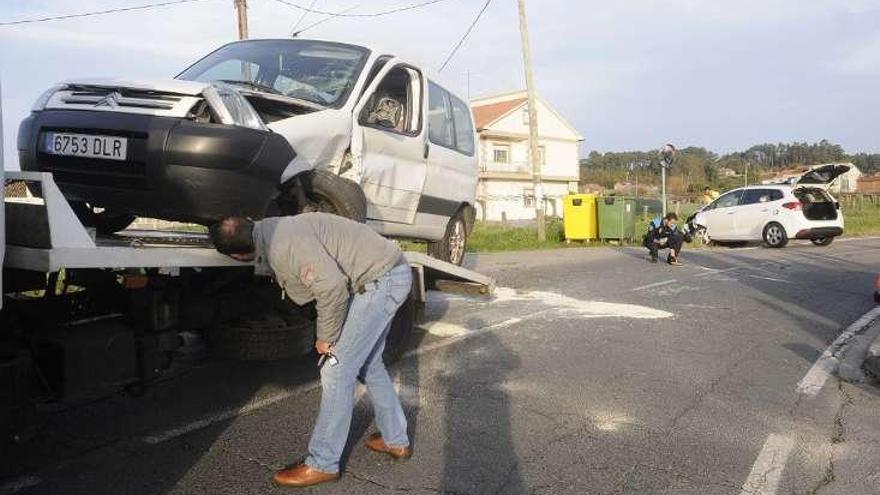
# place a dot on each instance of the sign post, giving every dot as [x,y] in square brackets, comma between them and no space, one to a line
[667,156]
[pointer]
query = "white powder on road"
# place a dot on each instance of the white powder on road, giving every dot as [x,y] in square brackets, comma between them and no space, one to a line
[579,307]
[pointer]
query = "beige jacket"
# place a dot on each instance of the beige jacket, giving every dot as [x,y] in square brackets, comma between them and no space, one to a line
[325,258]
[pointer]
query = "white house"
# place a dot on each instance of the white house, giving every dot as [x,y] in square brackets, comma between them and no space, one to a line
[506,179]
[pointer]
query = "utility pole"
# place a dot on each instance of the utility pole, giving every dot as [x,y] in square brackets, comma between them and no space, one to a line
[533,121]
[241,10]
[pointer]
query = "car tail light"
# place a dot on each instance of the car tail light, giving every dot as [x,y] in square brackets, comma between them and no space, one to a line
[794,205]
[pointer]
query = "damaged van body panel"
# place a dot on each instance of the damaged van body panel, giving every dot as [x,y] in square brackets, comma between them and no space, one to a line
[266,127]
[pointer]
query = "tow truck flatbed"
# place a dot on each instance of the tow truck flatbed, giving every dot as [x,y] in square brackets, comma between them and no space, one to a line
[44,235]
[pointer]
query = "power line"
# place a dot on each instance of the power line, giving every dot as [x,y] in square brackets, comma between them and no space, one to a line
[100,12]
[303,16]
[371,14]
[322,21]
[466,34]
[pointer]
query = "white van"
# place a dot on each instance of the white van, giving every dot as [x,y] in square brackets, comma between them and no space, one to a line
[266,127]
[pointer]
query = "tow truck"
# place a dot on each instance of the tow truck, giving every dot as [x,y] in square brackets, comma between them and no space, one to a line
[85,315]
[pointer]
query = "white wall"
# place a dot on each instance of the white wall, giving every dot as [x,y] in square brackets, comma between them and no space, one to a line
[507,196]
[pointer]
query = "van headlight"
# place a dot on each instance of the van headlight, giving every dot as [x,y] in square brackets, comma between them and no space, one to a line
[44,98]
[232,107]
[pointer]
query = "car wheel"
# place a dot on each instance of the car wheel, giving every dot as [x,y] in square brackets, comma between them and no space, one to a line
[775,236]
[323,191]
[822,241]
[702,235]
[454,243]
[104,222]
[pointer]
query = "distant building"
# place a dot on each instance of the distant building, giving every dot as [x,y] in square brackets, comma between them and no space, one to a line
[506,179]
[869,185]
[727,172]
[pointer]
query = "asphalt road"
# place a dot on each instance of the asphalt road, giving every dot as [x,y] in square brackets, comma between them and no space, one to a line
[592,371]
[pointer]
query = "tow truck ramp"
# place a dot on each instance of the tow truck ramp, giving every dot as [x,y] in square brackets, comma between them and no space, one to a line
[43,234]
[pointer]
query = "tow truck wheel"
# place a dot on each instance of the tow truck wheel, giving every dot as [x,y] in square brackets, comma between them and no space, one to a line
[270,338]
[452,247]
[105,222]
[323,191]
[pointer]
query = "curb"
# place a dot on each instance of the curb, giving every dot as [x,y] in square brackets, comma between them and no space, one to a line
[857,352]
[872,359]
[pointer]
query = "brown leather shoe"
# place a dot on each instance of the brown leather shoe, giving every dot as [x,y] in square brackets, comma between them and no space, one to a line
[376,444]
[303,475]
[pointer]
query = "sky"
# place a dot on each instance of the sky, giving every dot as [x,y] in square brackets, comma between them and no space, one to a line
[628,74]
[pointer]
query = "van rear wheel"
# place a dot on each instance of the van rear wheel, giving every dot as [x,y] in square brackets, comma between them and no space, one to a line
[775,236]
[822,241]
[454,243]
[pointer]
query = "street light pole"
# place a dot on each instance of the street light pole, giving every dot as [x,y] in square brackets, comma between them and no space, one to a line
[533,122]
[241,10]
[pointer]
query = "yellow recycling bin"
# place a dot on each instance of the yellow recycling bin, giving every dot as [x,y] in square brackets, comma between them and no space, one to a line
[579,212]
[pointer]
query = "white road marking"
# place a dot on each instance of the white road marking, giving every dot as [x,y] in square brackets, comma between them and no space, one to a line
[716,271]
[829,361]
[768,467]
[19,484]
[658,284]
[770,279]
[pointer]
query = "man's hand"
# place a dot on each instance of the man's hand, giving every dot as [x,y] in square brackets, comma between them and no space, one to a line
[323,346]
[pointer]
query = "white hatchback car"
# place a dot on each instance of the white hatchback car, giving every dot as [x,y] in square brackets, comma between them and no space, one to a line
[776,213]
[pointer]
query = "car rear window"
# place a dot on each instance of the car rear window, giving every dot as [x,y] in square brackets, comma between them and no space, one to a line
[753,196]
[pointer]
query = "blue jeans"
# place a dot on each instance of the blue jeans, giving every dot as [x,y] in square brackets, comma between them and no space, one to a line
[359,355]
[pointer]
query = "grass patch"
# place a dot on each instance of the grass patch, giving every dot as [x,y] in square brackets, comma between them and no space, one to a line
[861,220]
[495,237]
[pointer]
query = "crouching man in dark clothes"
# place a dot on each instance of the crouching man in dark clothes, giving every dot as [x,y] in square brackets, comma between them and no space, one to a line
[357,279]
[664,233]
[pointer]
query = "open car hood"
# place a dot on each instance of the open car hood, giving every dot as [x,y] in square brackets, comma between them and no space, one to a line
[823,176]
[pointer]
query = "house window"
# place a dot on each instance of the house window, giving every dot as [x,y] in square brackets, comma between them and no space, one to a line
[501,154]
[528,197]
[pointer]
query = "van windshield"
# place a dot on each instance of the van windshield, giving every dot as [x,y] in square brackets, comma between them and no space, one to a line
[319,72]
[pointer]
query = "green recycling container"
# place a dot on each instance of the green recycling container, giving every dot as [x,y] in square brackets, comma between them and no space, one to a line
[647,210]
[617,218]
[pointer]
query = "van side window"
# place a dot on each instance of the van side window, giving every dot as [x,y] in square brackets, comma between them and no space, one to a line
[440,127]
[464,127]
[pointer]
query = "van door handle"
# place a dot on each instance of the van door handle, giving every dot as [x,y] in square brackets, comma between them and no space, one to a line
[427,150]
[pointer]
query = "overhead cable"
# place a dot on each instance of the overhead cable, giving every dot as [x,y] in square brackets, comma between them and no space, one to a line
[369,14]
[99,12]
[465,37]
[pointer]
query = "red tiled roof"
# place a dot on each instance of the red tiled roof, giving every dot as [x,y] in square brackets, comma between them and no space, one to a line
[486,114]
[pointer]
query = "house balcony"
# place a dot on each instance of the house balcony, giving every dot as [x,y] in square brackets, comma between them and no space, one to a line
[505,170]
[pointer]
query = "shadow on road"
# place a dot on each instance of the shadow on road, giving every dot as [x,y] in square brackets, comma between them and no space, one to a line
[479,452]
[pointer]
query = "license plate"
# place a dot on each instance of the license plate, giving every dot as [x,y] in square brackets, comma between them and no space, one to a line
[86,145]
